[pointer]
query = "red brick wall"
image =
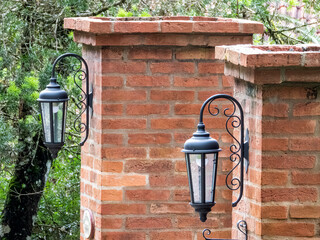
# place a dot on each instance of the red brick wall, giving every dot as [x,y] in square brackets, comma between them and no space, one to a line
[282,188]
[148,90]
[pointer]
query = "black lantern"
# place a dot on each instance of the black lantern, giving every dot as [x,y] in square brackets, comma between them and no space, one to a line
[202,158]
[53,106]
[201,153]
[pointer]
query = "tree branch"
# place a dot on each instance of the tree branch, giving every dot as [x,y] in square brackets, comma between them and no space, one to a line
[103,9]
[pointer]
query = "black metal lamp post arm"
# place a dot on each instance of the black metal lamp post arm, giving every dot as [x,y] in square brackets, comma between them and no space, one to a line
[239,146]
[85,99]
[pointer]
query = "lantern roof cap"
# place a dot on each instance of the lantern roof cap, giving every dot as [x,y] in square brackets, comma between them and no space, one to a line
[53,93]
[201,142]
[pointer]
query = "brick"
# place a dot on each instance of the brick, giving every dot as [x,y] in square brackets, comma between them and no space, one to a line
[181,195]
[147,195]
[275,109]
[186,235]
[108,81]
[228,40]
[227,81]
[187,109]
[136,27]
[301,194]
[305,178]
[170,208]
[182,137]
[288,229]
[216,27]
[302,75]
[147,109]
[306,109]
[123,153]
[180,166]
[145,166]
[108,109]
[149,138]
[281,92]
[148,81]
[115,40]
[193,222]
[216,235]
[172,67]
[123,209]
[126,180]
[312,59]
[168,180]
[108,138]
[274,178]
[114,167]
[172,123]
[124,123]
[215,67]
[108,53]
[195,53]
[291,126]
[123,235]
[123,95]
[171,95]
[108,195]
[150,53]
[123,67]
[305,211]
[305,144]
[274,212]
[176,27]
[204,95]
[167,153]
[211,81]
[166,40]
[113,223]
[275,144]
[148,223]
[288,161]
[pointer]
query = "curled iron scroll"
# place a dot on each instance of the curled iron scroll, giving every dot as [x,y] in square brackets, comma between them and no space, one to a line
[236,148]
[85,98]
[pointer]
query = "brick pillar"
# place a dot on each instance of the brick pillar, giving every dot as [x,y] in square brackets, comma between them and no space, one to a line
[278,85]
[150,79]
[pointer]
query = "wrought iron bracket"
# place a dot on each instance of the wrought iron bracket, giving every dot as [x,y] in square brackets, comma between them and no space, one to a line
[246,151]
[85,99]
[241,225]
[239,149]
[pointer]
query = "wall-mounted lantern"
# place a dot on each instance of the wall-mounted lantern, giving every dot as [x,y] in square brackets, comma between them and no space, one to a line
[201,154]
[53,106]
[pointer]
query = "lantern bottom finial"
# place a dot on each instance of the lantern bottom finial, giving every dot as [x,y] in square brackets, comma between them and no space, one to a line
[203,209]
[54,148]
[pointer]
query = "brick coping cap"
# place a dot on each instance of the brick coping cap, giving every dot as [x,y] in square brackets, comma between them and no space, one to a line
[179,24]
[270,55]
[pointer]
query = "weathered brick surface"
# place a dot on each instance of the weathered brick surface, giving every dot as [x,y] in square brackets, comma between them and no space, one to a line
[150,79]
[282,188]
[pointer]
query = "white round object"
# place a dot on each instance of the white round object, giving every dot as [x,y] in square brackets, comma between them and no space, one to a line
[88,223]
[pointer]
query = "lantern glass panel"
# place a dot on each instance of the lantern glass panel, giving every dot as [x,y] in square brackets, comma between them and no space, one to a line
[203,172]
[45,108]
[58,120]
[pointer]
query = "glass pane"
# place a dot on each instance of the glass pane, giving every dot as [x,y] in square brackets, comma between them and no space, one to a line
[45,114]
[195,169]
[210,173]
[64,119]
[57,110]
